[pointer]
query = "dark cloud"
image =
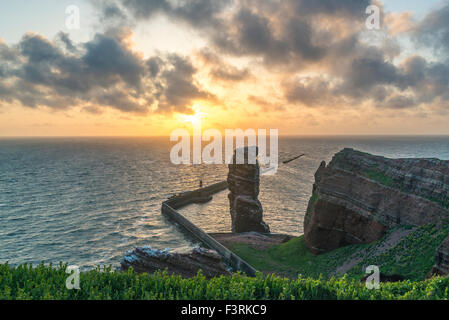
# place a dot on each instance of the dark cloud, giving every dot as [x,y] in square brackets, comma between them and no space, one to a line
[368,70]
[200,13]
[179,88]
[281,32]
[434,30]
[399,102]
[221,70]
[254,32]
[103,71]
[107,57]
[146,8]
[308,91]
[230,73]
[292,37]
[350,8]
[66,41]
[7,54]
[295,34]
[154,65]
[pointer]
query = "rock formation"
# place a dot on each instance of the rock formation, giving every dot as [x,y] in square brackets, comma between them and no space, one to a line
[358,197]
[149,260]
[246,209]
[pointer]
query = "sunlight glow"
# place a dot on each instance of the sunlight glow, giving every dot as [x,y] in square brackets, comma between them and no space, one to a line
[194,119]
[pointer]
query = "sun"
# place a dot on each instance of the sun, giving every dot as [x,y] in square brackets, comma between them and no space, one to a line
[194,119]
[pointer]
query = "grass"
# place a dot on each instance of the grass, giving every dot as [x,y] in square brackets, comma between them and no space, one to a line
[293,258]
[444,202]
[412,257]
[48,283]
[385,180]
[379,177]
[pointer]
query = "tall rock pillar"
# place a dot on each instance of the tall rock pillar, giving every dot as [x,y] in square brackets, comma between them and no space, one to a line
[246,209]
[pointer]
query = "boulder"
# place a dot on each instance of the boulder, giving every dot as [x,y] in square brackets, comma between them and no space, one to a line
[358,197]
[149,260]
[245,208]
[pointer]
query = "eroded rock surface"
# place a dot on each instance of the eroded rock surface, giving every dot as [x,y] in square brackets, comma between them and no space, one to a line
[245,208]
[149,260]
[358,197]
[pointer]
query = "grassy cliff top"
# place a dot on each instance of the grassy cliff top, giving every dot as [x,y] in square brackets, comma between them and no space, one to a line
[405,250]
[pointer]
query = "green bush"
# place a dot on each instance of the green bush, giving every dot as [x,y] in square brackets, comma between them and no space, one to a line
[48,282]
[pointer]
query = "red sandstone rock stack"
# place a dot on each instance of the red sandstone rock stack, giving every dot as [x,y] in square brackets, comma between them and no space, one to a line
[246,210]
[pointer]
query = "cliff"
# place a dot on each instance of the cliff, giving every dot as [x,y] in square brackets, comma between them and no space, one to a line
[358,197]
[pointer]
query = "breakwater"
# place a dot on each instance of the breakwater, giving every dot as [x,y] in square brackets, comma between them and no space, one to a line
[169,209]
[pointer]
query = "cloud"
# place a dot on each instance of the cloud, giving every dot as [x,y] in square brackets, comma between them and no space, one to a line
[399,102]
[221,70]
[319,50]
[434,30]
[104,71]
[200,13]
[281,32]
[107,57]
[265,105]
[230,73]
[398,23]
[308,91]
[179,89]
[348,8]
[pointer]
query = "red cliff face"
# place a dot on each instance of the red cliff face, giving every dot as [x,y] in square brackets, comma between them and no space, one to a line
[358,197]
[245,208]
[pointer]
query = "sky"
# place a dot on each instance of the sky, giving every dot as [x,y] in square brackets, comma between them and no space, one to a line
[147,67]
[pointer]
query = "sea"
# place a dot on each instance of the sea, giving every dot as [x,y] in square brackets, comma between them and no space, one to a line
[86,201]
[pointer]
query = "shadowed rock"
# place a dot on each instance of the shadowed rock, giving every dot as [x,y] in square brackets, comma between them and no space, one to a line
[358,197]
[149,260]
[243,181]
[441,267]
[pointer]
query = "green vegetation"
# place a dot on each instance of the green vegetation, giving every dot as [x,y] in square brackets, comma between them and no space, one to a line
[379,177]
[293,258]
[374,174]
[444,202]
[412,256]
[47,282]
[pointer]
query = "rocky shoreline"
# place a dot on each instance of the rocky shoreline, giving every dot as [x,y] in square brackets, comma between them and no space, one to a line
[187,265]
